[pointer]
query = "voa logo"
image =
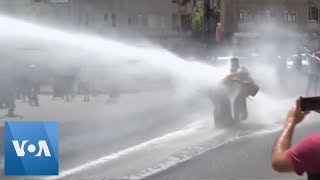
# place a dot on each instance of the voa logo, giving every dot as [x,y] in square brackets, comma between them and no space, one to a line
[31,148]
[42,146]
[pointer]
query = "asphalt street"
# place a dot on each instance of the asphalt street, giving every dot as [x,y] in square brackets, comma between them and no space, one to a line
[131,139]
[89,131]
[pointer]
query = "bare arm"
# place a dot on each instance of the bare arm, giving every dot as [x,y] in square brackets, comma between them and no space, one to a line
[229,77]
[317,58]
[280,161]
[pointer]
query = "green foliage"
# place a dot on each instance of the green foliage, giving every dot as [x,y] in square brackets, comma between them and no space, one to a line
[197,22]
[42,10]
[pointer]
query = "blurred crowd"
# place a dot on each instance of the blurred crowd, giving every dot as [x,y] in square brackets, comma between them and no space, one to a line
[26,87]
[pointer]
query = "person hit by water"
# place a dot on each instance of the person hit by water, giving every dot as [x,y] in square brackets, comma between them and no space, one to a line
[220,97]
[246,87]
[240,86]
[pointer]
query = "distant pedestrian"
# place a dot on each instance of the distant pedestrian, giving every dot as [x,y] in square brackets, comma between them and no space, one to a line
[240,103]
[218,33]
[313,74]
[34,93]
[297,61]
[69,87]
[84,88]
[7,95]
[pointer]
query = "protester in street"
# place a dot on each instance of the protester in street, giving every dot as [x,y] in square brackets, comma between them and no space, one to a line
[35,90]
[7,95]
[314,65]
[304,157]
[220,97]
[281,70]
[242,87]
[63,86]
[297,61]
[69,86]
[240,103]
[59,87]
[234,65]
[84,88]
[222,112]
[313,76]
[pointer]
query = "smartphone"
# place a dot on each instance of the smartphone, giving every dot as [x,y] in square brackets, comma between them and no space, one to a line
[310,103]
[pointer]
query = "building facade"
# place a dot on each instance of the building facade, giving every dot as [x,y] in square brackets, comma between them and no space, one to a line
[46,11]
[243,15]
[169,17]
[15,7]
[181,14]
[143,16]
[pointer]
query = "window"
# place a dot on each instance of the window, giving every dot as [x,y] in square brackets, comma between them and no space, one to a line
[176,22]
[154,20]
[113,20]
[105,18]
[163,22]
[313,13]
[186,22]
[87,19]
[194,3]
[143,20]
[245,15]
[139,19]
[268,15]
[290,16]
[133,20]
[121,5]
[184,2]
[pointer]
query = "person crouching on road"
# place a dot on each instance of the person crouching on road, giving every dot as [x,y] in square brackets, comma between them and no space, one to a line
[240,102]
[220,98]
[242,86]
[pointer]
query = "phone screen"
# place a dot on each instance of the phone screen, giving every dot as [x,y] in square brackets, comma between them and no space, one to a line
[310,104]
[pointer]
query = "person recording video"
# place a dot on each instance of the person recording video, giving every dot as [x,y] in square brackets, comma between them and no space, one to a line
[303,157]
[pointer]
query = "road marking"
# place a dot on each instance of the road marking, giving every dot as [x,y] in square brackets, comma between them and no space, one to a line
[109,158]
[171,161]
[195,151]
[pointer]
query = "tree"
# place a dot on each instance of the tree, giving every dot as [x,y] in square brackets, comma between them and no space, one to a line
[42,10]
[197,22]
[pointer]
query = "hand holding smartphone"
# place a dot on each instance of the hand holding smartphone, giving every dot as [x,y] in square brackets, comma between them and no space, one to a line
[310,103]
